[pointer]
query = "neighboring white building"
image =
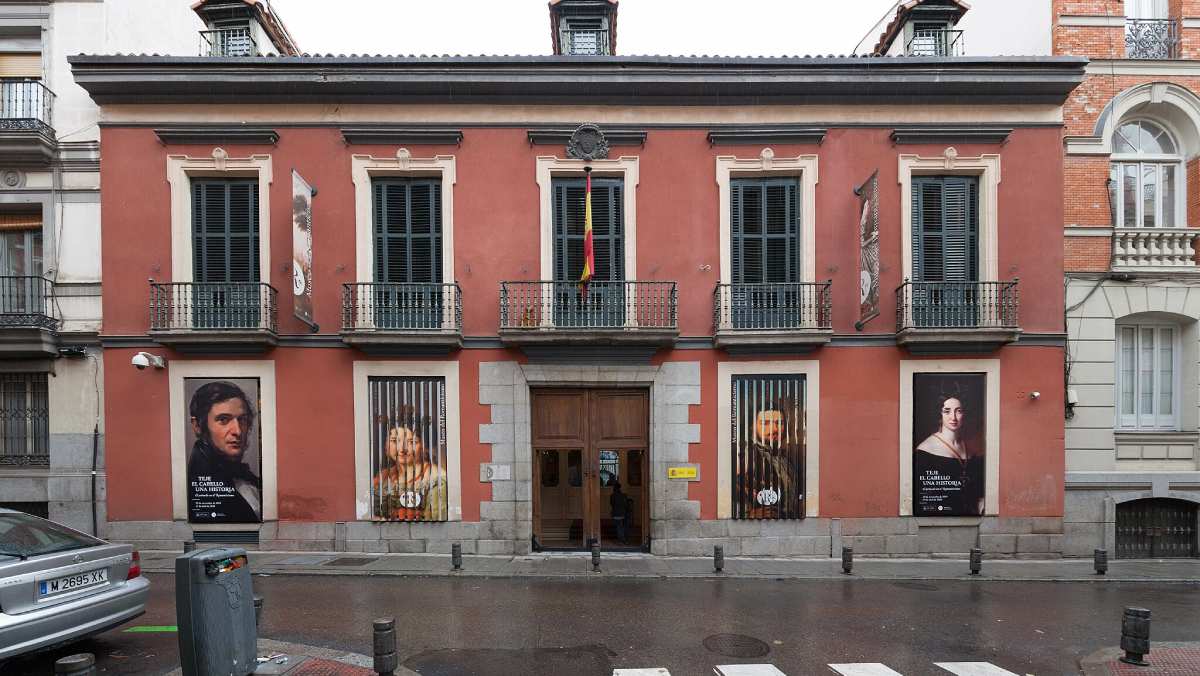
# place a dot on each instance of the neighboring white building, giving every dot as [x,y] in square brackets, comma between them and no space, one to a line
[954,28]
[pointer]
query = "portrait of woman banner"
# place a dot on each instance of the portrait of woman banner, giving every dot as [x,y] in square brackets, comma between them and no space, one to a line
[408,449]
[948,444]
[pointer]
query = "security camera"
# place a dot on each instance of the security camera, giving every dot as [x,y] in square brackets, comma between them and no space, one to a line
[142,360]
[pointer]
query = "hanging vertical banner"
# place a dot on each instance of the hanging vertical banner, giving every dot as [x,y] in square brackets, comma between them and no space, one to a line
[868,258]
[302,194]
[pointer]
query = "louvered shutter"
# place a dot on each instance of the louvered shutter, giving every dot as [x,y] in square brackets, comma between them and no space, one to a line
[765,230]
[608,243]
[945,223]
[408,231]
[225,231]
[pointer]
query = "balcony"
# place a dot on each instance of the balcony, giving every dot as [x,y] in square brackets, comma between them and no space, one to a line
[228,42]
[28,318]
[402,318]
[1151,39]
[787,317]
[639,315]
[956,317]
[214,318]
[26,134]
[938,42]
[1154,248]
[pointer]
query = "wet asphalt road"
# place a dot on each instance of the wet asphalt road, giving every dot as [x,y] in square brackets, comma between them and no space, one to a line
[552,627]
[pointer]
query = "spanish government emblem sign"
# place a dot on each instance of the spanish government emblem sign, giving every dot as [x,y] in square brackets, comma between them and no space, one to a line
[587,143]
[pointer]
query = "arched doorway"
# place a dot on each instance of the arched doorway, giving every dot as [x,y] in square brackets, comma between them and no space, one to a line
[1156,528]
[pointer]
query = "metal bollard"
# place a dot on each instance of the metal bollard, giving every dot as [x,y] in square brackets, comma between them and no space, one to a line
[1135,636]
[189,546]
[718,558]
[848,560]
[976,560]
[456,556]
[258,606]
[1100,559]
[82,664]
[595,557]
[385,646]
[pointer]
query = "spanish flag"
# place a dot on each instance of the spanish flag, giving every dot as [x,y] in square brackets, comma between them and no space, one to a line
[589,260]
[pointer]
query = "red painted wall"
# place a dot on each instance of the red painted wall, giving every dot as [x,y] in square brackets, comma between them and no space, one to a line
[496,238]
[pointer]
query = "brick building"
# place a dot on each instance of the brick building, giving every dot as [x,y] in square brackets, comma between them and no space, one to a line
[1131,208]
[824,303]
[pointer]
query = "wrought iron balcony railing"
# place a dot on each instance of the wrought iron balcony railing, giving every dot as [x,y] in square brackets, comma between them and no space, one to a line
[937,42]
[228,42]
[27,302]
[585,41]
[196,306]
[602,305]
[401,307]
[773,307]
[1151,39]
[957,305]
[25,104]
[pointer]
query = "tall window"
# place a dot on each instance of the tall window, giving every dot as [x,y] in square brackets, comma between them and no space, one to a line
[1146,9]
[1147,376]
[408,252]
[766,230]
[1147,176]
[225,254]
[945,217]
[24,419]
[603,303]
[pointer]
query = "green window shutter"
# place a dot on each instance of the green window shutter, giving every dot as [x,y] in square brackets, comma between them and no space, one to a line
[945,228]
[765,229]
[225,242]
[407,215]
[608,243]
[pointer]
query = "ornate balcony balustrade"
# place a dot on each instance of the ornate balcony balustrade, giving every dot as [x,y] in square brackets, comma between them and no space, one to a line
[214,317]
[29,318]
[792,315]
[1151,39]
[26,129]
[543,312]
[403,317]
[1154,247]
[950,317]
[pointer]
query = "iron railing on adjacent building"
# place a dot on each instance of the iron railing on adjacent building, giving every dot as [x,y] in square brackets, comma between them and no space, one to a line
[599,305]
[795,306]
[27,302]
[25,104]
[1151,39]
[401,307]
[957,305]
[24,420]
[935,42]
[195,306]
[228,42]
[592,41]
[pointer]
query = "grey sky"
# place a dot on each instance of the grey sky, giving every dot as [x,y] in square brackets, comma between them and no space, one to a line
[727,28]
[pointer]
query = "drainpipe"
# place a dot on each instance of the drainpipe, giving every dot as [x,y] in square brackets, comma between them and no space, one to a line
[95,456]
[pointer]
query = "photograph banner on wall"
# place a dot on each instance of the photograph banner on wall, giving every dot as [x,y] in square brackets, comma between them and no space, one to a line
[408,448]
[868,237]
[768,446]
[302,301]
[224,464]
[949,452]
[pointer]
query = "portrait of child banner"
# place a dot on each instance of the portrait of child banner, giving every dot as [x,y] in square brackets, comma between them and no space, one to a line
[224,462]
[949,451]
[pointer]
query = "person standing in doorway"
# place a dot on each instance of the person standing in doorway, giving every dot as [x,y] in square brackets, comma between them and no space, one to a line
[620,510]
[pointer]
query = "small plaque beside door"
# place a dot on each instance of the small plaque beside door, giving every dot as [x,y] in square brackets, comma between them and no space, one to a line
[494,472]
[684,472]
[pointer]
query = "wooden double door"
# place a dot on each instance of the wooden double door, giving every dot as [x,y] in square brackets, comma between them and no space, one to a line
[591,468]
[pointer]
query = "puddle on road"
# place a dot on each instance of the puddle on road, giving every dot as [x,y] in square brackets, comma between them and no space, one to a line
[585,660]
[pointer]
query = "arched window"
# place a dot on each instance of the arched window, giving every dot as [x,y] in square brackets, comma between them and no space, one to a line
[1147,176]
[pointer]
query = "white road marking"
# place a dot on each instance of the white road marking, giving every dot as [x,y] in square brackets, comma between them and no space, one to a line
[747,670]
[974,669]
[656,671]
[864,669]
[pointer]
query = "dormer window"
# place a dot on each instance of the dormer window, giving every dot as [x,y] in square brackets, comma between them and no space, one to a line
[240,28]
[229,38]
[584,27]
[585,37]
[934,38]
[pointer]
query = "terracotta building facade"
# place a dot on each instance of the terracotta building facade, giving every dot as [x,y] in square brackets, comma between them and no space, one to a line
[1131,208]
[824,306]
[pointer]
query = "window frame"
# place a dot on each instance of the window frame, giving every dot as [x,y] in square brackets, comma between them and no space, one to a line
[738,235]
[1141,161]
[35,441]
[434,240]
[1133,421]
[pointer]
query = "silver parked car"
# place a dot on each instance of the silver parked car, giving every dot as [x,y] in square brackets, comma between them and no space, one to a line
[59,585]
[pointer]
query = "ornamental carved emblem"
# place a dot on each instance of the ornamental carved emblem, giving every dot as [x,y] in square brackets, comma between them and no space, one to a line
[588,143]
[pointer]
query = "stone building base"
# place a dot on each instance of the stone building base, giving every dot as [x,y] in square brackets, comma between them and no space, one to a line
[1091,500]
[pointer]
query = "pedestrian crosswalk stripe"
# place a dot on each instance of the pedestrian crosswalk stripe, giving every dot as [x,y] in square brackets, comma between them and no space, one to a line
[747,670]
[656,671]
[864,669]
[974,669]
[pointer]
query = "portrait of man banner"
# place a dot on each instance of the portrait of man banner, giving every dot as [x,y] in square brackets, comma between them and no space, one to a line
[768,447]
[948,444]
[408,449]
[224,463]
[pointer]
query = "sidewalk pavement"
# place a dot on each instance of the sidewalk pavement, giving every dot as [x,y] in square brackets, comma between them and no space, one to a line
[626,565]
[1166,659]
[296,659]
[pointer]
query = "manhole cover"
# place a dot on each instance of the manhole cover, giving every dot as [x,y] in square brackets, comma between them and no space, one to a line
[736,645]
[351,561]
